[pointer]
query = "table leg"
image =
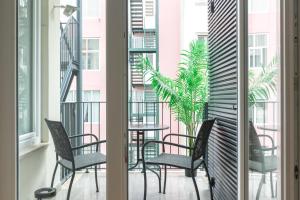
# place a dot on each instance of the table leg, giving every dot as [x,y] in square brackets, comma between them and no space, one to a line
[139,133]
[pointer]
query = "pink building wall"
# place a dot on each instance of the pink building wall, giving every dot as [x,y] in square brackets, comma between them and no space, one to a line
[169,53]
[96,79]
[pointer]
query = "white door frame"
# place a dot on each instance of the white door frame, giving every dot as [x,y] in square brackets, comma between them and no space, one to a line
[288,97]
[117,94]
[242,16]
[8,145]
[117,102]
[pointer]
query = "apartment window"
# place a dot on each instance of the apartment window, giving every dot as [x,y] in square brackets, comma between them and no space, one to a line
[257,50]
[91,8]
[28,76]
[90,53]
[91,105]
[258,6]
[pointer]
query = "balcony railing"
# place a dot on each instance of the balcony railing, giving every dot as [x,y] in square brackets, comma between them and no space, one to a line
[94,121]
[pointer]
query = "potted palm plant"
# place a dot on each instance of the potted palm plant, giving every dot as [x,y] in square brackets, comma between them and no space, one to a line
[187,94]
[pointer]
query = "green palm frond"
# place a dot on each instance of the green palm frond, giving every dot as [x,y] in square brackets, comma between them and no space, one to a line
[262,83]
[188,92]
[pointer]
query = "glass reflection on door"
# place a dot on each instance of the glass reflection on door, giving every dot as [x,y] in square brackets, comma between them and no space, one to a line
[264,98]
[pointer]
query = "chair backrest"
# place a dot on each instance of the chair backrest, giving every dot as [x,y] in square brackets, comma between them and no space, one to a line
[255,153]
[202,139]
[61,140]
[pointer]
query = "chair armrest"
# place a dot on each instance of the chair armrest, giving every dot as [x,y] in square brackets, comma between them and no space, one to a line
[268,148]
[272,141]
[163,143]
[178,135]
[84,135]
[89,144]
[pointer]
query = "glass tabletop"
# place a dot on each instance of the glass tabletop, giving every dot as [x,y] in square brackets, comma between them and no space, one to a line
[147,127]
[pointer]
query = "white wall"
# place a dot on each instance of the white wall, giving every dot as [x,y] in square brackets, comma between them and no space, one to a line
[36,167]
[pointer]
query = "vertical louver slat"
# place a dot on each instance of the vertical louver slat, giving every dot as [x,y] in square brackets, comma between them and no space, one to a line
[223,147]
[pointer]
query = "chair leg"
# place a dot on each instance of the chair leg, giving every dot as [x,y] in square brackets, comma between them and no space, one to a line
[158,176]
[271,182]
[159,168]
[196,187]
[145,180]
[96,179]
[262,180]
[70,186]
[54,172]
[209,181]
[165,179]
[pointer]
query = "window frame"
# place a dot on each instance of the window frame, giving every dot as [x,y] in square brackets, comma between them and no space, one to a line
[260,48]
[86,51]
[34,137]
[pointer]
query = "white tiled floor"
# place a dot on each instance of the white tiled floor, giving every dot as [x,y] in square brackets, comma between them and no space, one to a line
[179,187]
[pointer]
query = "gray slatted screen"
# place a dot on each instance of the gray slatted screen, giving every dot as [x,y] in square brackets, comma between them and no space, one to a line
[223,150]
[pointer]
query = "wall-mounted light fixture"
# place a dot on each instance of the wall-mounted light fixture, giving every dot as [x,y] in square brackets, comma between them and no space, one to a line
[68,9]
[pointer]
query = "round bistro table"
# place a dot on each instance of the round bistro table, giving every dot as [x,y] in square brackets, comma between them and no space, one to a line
[140,129]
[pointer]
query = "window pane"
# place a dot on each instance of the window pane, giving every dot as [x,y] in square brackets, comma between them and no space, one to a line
[91,109]
[264,57]
[260,113]
[257,58]
[250,42]
[93,44]
[93,61]
[25,68]
[84,61]
[84,44]
[261,40]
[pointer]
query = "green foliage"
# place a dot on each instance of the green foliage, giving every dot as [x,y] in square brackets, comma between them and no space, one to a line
[187,93]
[262,83]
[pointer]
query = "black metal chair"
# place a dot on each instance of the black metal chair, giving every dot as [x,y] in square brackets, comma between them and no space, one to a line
[180,161]
[65,152]
[259,160]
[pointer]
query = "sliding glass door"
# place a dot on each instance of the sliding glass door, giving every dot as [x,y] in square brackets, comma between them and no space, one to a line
[263,68]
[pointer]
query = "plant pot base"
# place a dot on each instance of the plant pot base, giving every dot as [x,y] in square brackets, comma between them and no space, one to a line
[188,173]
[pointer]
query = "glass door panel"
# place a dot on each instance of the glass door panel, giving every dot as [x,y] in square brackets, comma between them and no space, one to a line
[264,98]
